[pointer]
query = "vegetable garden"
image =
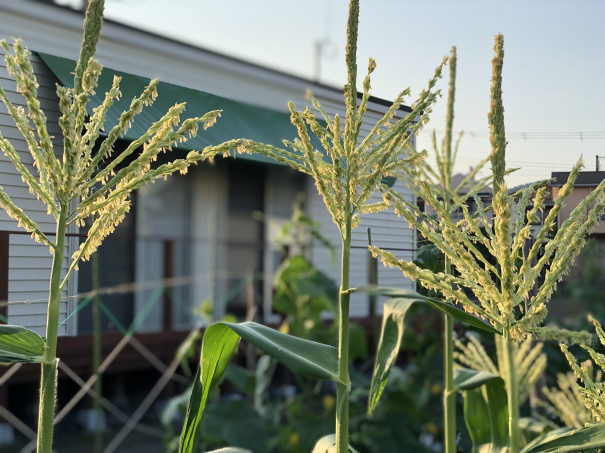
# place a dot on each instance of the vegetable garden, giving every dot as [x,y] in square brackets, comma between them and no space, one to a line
[491,274]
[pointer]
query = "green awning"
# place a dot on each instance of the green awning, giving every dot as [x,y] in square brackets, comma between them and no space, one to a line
[238,119]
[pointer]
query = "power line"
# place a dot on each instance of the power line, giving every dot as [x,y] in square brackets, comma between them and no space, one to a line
[536,135]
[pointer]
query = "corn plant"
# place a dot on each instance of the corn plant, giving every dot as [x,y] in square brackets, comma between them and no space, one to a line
[566,400]
[86,182]
[503,291]
[592,387]
[426,183]
[530,361]
[347,172]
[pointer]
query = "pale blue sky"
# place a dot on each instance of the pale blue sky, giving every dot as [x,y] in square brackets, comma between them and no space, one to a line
[554,63]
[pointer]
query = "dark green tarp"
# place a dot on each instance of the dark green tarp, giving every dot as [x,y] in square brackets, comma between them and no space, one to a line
[238,119]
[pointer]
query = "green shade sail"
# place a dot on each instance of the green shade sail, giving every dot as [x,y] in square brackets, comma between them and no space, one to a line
[238,119]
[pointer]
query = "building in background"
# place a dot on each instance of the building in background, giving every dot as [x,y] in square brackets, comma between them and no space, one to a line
[193,237]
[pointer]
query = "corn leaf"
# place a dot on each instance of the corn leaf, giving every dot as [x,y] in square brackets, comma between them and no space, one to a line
[444,307]
[468,379]
[393,317]
[486,417]
[18,344]
[566,440]
[218,346]
[327,444]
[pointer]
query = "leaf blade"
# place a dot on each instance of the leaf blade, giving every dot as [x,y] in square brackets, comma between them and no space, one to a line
[565,440]
[468,379]
[444,307]
[218,346]
[305,357]
[391,334]
[486,416]
[20,345]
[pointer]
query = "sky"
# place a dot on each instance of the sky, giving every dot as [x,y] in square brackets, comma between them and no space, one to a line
[554,62]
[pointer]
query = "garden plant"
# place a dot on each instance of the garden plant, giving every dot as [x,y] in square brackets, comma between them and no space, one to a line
[426,182]
[346,172]
[509,292]
[487,253]
[79,178]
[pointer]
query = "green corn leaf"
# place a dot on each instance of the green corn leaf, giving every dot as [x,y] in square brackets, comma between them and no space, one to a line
[566,440]
[468,379]
[486,417]
[327,444]
[18,344]
[393,317]
[444,307]
[218,346]
[311,359]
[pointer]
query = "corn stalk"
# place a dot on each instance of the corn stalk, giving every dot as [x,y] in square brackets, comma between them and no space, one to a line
[64,183]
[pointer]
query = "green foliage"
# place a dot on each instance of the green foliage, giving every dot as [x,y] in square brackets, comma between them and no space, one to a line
[18,344]
[566,440]
[348,171]
[219,344]
[303,293]
[439,305]
[592,387]
[467,379]
[79,179]
[394,311]
[486,416]
[235,423]
[429,257]
[530,361]
[566,400]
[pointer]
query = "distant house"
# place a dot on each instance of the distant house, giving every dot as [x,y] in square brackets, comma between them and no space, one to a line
[547,206]
[586,182]
[485,195]
[194,234]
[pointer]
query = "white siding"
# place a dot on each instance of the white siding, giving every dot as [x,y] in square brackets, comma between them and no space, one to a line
[388,232]
[57,31]
[209,234]
[29,262]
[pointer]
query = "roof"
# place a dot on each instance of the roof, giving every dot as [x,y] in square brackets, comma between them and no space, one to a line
[585,178]
[237,120]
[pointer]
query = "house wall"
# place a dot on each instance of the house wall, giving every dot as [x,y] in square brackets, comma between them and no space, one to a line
[29,262]
[57,31]
[578,194]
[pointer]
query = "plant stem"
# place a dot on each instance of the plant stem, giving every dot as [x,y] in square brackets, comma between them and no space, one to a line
[512,393]
[449,395]
[342,389]
[48,381]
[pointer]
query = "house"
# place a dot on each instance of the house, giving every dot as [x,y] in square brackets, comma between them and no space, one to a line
[194,233]
[586,182]
[593,258]
[484,195]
